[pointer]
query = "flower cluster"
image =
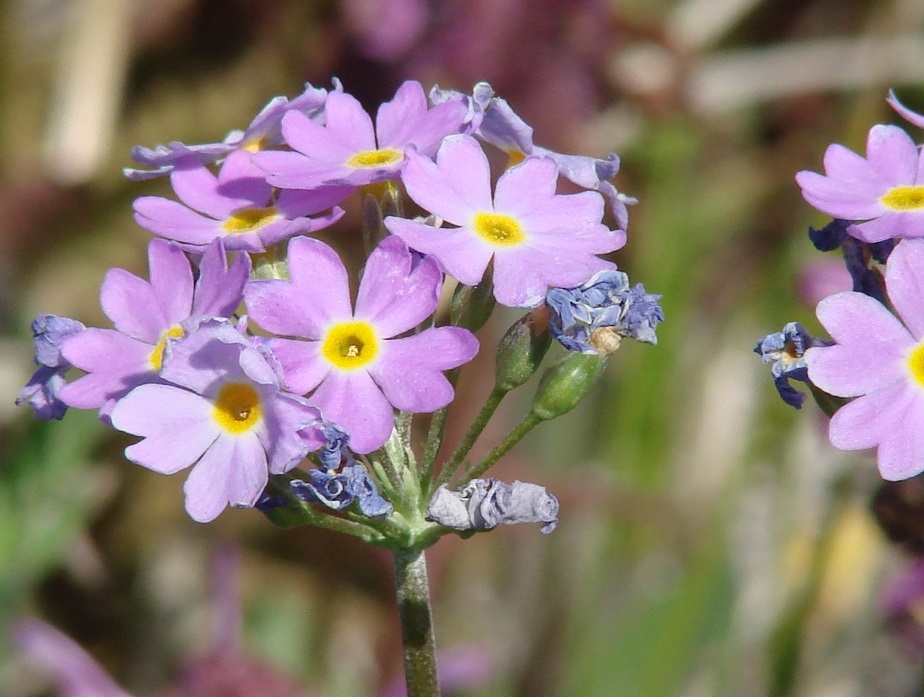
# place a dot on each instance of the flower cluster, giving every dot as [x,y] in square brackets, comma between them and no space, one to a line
[874,367]
[249,351]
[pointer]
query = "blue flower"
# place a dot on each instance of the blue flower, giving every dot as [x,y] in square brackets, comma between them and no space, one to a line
[593,317]
[785,350]
[41,392]
[339,489]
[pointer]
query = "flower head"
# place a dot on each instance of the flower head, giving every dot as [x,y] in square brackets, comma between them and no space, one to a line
[263,132]
[592,317]
[356,364]
[220,409]
[42,392]
[884,192]
[238,206]
[348,150]
[146,316]
[537,239]
[879,360]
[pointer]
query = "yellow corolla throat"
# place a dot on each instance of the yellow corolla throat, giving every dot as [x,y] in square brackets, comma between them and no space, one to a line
[350,345]
[370,159]
[237,407]
[915,360]
[156,357]
[499,229]
[255,144]
[250,219]
[904,198]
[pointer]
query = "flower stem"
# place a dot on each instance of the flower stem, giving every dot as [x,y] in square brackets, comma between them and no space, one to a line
[413,594]
[487,411]
[528,423]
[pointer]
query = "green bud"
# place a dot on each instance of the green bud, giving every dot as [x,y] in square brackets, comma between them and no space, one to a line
[567,383]
[522,348]
[471,306]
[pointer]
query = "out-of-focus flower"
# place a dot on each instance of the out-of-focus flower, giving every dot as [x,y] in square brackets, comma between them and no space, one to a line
[786,350]
[884,192]
[483,504]
[593,317]
[146,315]
[42,392]
[903,607]
[238,206]
[263,132]
[880,361]
[357,364]
[347,150]
[537,239]
[223,412]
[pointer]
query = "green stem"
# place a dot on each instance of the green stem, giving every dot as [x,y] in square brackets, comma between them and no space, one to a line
[529,422]
[413,593]
[474,431]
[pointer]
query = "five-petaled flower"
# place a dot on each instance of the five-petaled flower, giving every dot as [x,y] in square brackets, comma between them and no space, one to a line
[537,239]
[358,365]
[879,360]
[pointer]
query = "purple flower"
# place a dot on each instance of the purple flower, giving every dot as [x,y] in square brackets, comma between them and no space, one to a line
[499,125]
[238,206]
[910,116]
[880,361]
[42,392]
[145,315]
[263,132]
[347,150]
[355,362]
[884,192]
[537,239]
[222,412]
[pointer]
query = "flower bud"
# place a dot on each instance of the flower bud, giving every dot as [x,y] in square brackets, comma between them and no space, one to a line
[567,383]
[471,306]
[522,348]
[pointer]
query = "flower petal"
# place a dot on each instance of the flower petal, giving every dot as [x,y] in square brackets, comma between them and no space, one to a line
[354,402]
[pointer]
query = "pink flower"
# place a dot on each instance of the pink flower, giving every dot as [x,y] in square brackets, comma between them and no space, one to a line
[879,360]
[538,239]
[884,192]
[357,364]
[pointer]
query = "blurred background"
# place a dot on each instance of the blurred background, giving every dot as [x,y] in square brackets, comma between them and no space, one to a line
[711,543]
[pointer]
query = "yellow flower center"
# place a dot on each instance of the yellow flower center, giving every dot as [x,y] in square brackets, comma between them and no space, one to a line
[250,219]
[237,407]
[498,229]
[370,159]
[156,357]
[515,157]
[350,345]
[904,198]
[254,144]
[916,363]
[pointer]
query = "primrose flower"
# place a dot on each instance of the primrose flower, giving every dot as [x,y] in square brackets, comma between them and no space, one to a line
[145,315]
[593,317]
[221,411]
[537,239]
[238,206]
[356,363]
[263,132]
[347,150]
[880,361]
[884,193]
[498,124]
[42,392]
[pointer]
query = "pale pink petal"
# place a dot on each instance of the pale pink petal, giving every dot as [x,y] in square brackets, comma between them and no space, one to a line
[302,365]
[132,306]
[207,487]
[353,401]
[905,281]
[197,187]
[171,280]
[869,420]
[460,252]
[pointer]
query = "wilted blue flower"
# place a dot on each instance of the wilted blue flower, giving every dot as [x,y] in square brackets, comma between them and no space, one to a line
[483,504]
[41,392]
[338,489]
[857,255]
[785,350]
[593,317]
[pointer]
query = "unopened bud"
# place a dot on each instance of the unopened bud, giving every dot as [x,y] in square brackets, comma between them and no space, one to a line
[567,383]
[522,348]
